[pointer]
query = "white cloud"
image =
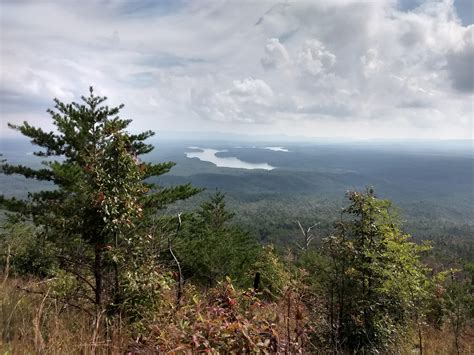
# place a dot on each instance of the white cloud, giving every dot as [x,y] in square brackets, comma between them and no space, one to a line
[371,62]
[276,55]
[314,58]
[461,63]
[248,100]
[324,68]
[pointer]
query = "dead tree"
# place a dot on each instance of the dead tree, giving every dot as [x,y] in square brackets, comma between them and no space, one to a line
[307,235]
[179,290]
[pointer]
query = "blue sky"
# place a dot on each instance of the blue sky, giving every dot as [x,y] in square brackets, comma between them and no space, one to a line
[339,68]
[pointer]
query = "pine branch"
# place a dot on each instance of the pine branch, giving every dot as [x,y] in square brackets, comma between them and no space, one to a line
[166,196]
[29,173]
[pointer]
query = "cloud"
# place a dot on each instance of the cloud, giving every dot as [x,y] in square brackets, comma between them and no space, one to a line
[314,59]
[276,55]
[335,68]
[371,62]
[249,100]
[461,63]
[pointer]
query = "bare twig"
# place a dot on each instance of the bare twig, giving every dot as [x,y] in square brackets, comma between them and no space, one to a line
[308,236]
[288,330]
[94,342]
[39,341]
[80,277]
[180,274]
[55,298]
[7,266]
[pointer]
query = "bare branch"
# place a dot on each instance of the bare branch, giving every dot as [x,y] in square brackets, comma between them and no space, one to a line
[55,298]
[308,236]
[180,274]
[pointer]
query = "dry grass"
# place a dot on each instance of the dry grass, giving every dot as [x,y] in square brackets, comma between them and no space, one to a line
[441,342]
[36,324]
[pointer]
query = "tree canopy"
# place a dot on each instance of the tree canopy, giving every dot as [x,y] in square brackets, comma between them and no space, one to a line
[377,281]
[103,200]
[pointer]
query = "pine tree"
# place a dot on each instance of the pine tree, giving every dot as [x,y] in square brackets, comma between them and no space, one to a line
[377,282]
[211,247]
[103,197]
[213,213]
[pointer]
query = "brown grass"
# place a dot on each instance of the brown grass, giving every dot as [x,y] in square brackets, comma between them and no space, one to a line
[37,324]
[441,342]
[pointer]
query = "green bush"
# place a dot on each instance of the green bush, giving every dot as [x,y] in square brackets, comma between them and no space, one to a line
[25,251]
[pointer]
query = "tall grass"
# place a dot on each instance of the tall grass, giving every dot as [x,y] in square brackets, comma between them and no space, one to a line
[35,323]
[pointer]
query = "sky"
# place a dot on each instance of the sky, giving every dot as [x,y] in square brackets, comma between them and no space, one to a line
[347,69]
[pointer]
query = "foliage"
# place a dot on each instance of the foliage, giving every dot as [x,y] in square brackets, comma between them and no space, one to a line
[377,281]
[103,202]
[228,320]
[222,320]
[211,248]
[459,304]
[23,252]
[98,239]
[275,276]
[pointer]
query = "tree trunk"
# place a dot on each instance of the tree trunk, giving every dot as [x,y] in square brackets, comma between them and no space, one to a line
[256,281]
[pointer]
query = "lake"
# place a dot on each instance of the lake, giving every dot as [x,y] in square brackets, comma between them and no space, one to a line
[209,155]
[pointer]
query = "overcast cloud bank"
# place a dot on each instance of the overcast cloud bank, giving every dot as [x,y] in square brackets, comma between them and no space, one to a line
[335,68]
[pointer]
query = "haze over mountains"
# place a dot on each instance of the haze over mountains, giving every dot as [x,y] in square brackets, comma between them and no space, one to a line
[430,179]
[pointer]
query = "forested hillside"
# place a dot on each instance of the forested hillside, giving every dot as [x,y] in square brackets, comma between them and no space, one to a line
[114,250]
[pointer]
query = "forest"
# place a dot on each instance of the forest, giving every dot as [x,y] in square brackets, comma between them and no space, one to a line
[113,253]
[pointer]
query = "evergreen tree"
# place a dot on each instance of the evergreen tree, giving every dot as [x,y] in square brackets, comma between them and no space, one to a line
[212,248]
[103,198]
[377,282]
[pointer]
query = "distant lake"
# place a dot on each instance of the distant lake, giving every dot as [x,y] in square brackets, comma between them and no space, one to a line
[206,154]
[277,149]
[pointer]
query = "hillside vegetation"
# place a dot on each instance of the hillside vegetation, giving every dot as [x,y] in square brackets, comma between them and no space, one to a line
[104,260]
